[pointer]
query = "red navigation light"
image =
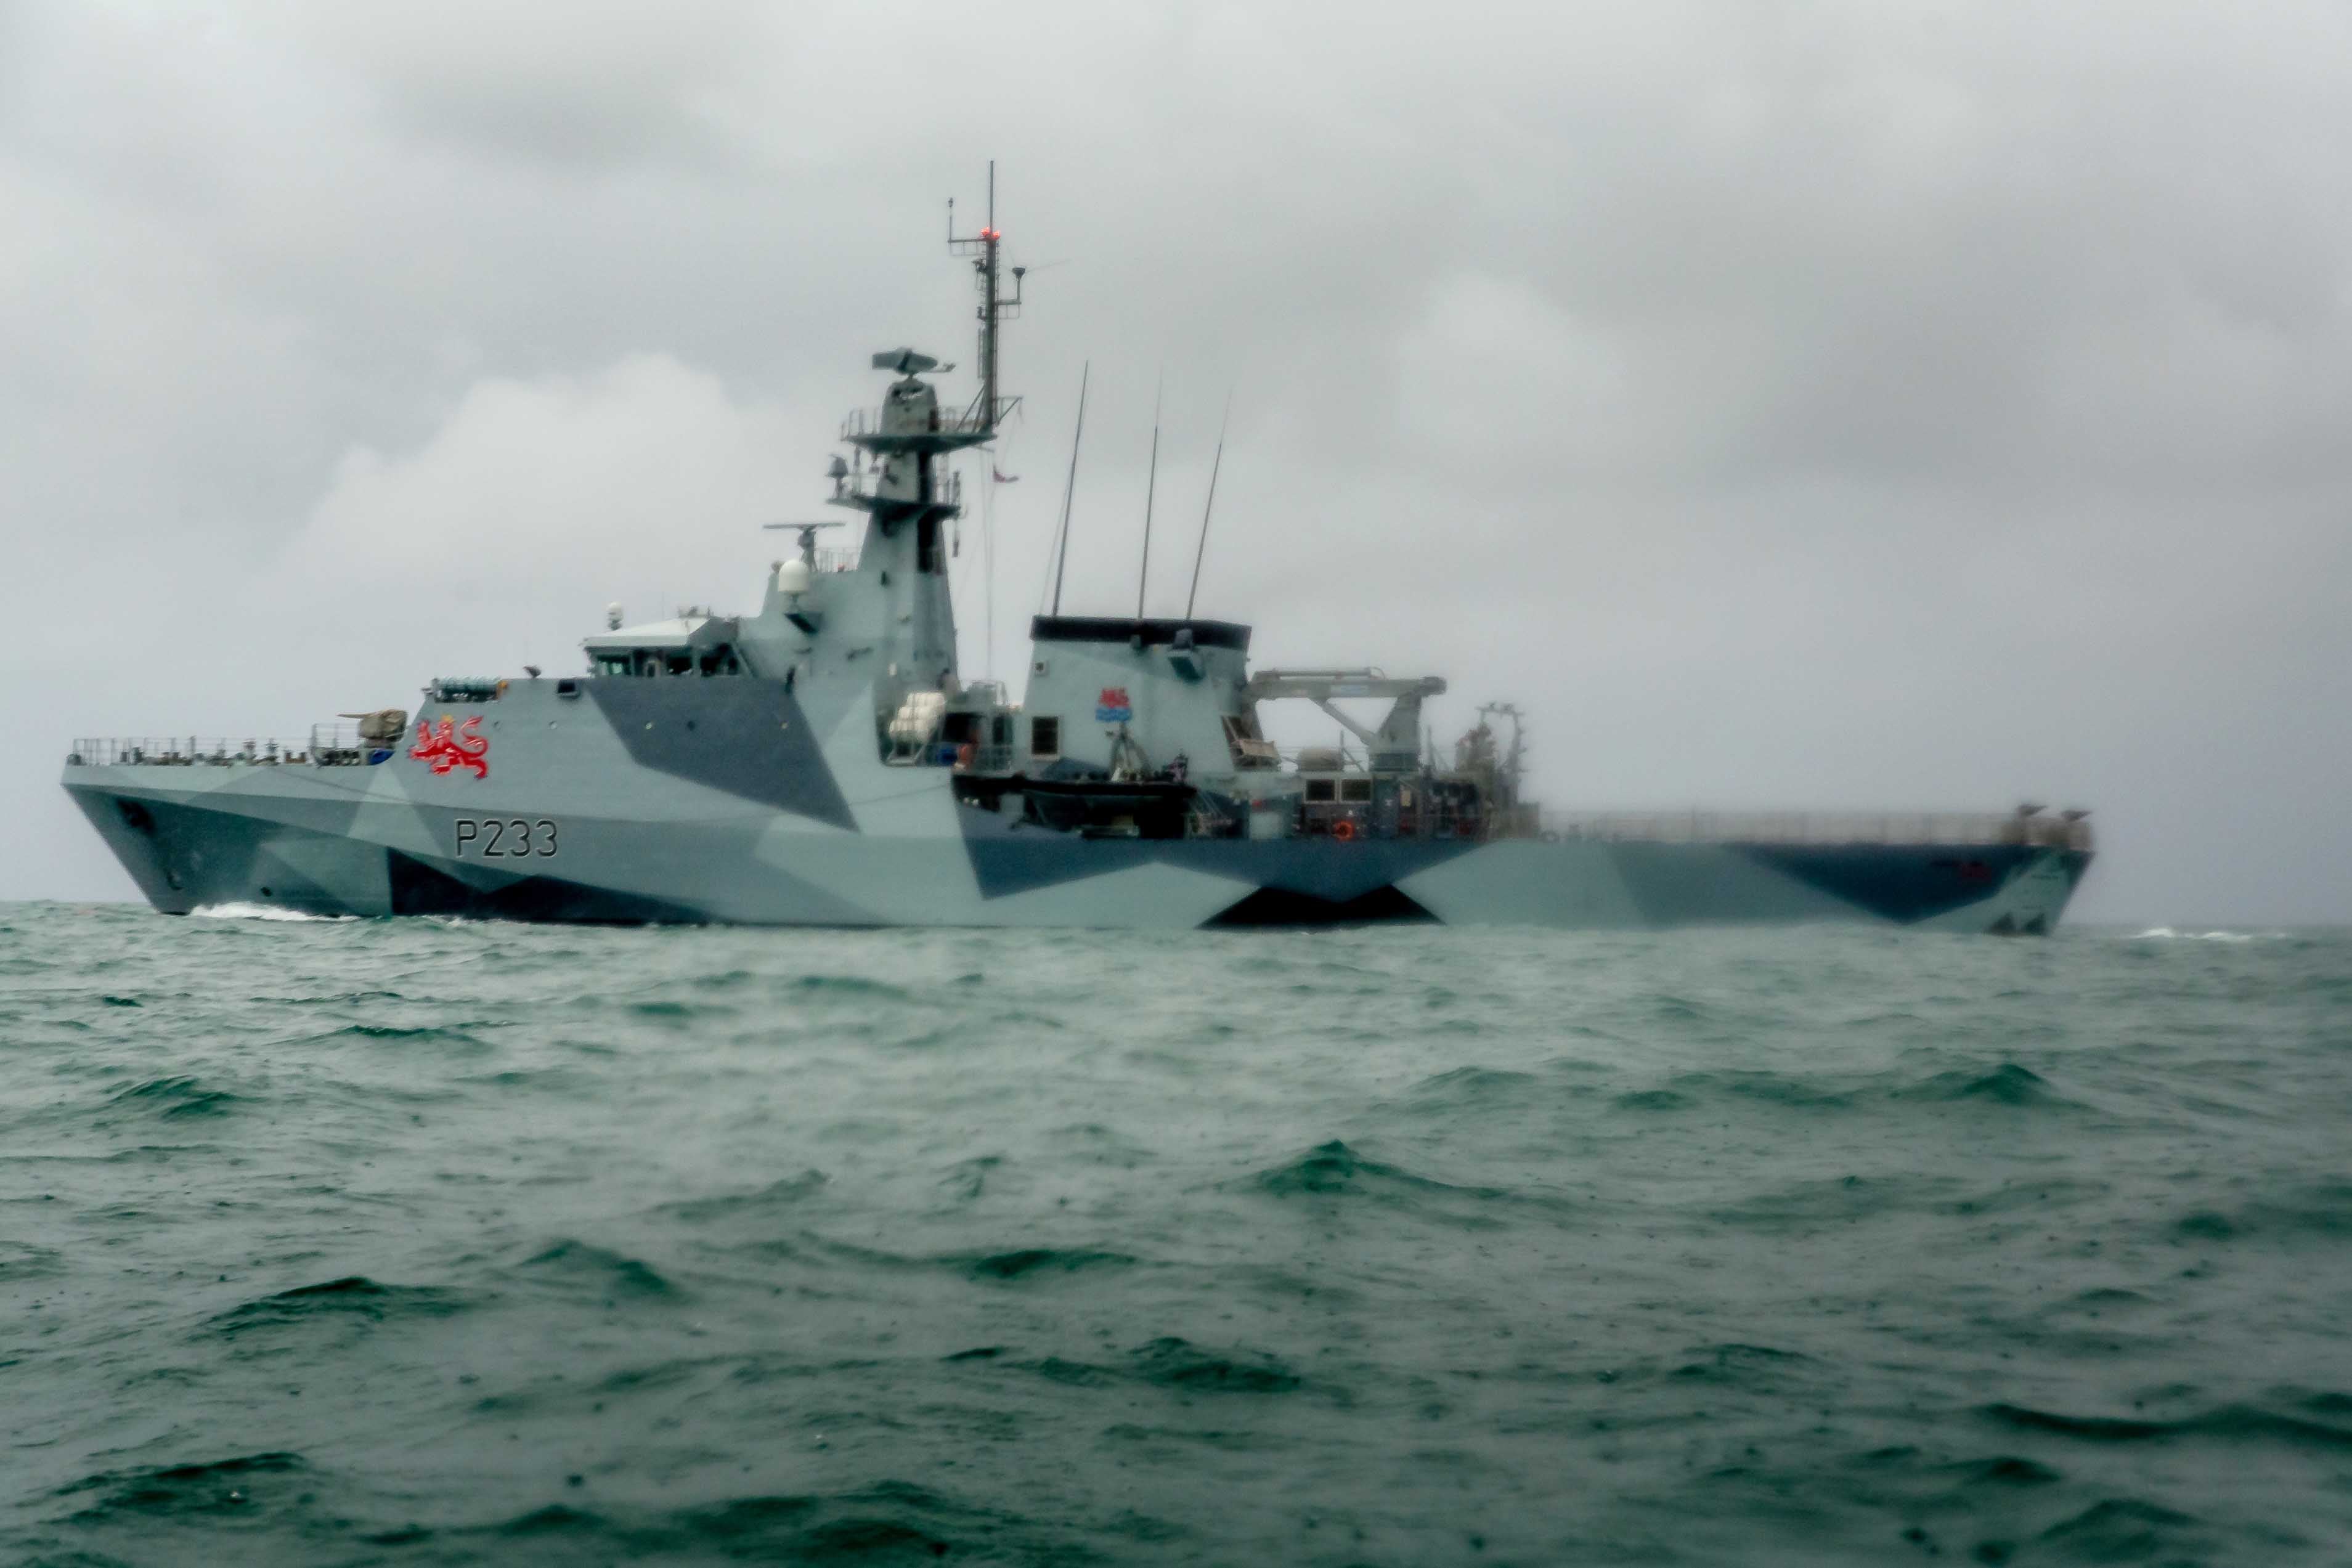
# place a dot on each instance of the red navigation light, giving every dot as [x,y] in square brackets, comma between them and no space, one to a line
[990,234]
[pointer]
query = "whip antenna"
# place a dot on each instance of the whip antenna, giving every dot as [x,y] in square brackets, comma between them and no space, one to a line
[1069,486]
[1151,486]
[1202,549]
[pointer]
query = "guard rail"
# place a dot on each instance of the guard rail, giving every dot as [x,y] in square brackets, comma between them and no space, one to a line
[2056,831]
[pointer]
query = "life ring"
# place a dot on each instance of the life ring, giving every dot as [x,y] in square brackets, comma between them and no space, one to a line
[1343,829]
[965,754]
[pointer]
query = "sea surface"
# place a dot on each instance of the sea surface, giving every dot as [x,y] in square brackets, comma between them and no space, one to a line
[417,1242]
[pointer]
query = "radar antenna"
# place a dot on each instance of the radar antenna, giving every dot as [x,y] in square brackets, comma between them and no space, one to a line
[808,536]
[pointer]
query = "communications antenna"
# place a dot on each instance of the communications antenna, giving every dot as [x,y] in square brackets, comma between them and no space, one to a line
[1151,488]
[1202,549]
[988,409]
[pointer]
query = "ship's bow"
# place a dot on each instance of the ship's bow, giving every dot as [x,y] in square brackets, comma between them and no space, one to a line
[128,823]
[193,834]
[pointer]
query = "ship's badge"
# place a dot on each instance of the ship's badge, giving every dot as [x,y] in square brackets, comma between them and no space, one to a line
[448,749]
[1112,707]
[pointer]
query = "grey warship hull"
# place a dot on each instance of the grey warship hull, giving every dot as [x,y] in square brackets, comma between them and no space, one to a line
[821,763]
[737,801]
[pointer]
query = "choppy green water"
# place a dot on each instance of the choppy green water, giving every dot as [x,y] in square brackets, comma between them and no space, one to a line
[411,1242]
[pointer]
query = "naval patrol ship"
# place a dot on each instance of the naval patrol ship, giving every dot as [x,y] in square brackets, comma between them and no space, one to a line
[823,762]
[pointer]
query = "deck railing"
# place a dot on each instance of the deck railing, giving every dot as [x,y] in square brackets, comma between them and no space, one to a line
[334,744]
[2051,829]
[327,746]
[950,421]
[186,751]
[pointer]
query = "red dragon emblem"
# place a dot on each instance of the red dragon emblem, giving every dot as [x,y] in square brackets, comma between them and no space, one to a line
[446,749]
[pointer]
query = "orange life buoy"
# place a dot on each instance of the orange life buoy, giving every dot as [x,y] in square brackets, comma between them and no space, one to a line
[1343,829]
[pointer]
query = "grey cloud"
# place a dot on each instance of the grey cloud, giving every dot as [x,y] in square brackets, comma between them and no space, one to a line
[588,85]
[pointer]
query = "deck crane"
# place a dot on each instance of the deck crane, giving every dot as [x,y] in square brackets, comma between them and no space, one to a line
[1395,745]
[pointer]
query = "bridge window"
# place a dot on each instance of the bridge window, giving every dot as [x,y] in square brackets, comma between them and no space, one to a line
[1045,738]
[1355,789]
[1318,788]
[721,659]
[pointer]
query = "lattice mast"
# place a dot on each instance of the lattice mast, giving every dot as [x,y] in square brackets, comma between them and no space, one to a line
[988,410]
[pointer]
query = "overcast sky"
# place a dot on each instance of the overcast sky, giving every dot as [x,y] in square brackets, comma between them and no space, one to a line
[1805,405]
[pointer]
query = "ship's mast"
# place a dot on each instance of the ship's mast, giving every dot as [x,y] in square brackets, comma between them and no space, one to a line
[988,411]
[1508,772]
[899,595]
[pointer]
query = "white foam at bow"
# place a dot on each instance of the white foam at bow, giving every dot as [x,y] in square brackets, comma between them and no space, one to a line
[258,912]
